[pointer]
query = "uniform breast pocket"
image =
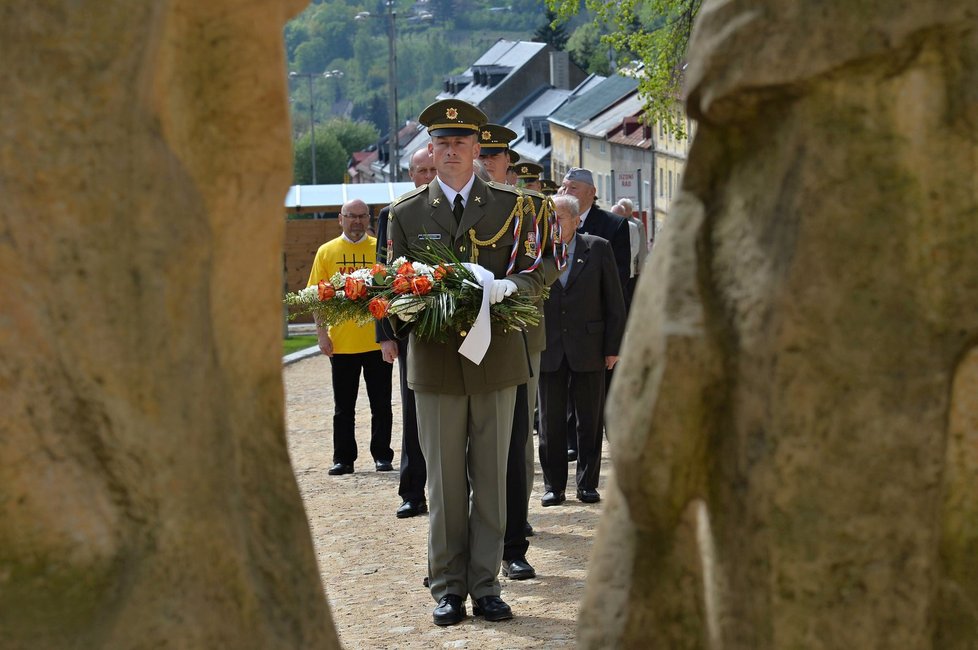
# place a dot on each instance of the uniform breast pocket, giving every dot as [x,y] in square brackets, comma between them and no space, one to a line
[494,252]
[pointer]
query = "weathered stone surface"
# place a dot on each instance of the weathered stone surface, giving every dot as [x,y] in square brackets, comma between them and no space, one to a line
[146,498]
[794,422]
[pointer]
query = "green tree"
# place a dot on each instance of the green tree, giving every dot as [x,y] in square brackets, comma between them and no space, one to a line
[656,32]
[552,32]
[331,159]
[311,56]
[588,50]
[352,136]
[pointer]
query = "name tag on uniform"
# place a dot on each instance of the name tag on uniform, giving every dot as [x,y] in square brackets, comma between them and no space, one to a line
[427,236]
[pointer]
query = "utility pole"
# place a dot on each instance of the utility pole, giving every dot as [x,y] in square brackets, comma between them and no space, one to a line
[392,83]
[329,74]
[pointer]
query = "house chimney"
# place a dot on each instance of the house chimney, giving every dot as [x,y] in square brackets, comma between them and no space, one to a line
[560,70]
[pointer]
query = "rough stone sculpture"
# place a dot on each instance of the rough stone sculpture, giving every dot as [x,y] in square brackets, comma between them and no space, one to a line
[795,424]
[146,497]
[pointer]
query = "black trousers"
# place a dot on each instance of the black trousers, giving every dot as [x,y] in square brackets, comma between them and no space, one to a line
[572,415]
[514,541]
[414,471]
[345,371]
[586,389]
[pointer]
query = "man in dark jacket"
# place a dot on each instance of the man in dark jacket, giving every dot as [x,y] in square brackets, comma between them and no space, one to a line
[579,183]
[585,321]
[414,473]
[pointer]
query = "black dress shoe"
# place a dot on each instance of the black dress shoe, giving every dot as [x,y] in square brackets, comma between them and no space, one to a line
[450,610]
[528,530]
[492,608]
[588,496]
[552,499]
[384,466]
[340,468]
[518,569]
[571,455]
[411,509]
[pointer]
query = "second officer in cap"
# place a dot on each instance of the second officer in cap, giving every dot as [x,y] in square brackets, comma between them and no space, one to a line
[494,153]
[529,175]
[465,411]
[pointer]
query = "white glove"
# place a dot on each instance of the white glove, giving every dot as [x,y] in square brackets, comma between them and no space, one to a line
[500,289]
[406,308]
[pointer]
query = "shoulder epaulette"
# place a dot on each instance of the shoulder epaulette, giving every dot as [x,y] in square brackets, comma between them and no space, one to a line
[409,194]
[508,188]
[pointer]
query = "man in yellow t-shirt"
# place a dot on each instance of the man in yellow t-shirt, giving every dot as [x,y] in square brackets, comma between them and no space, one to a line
[352,348]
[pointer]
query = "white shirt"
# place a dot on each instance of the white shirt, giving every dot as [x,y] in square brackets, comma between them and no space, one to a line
[343,235]
[583,217]
[450,193]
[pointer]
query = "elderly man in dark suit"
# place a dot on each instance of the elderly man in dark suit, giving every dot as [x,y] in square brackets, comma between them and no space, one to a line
[585,321]
[579,183]
[466,408]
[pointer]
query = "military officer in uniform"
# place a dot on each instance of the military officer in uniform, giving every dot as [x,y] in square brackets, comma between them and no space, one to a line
[494,152]
[529,175]
[465,410]
[548,187]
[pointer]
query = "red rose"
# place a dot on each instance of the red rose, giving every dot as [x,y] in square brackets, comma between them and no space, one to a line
[420,285]
[441,271]
[378,307]
[326,290]
[406,269]
[401,284]
[355,288]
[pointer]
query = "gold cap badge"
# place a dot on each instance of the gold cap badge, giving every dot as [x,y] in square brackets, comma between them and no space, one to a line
[451,113]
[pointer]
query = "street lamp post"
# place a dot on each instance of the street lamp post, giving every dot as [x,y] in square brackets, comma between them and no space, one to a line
[391,83]
[329,74]
[392,80]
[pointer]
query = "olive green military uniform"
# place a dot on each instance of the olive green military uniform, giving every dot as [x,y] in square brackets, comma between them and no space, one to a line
[465,411]
[536,341]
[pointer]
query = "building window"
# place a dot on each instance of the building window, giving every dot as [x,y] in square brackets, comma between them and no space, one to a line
[662,185]
[587,145]
[670,184]
[602,148]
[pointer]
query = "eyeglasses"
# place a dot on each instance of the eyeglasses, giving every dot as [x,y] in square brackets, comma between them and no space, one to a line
[355,216]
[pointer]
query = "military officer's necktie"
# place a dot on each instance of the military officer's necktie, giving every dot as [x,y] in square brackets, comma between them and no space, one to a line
[457,210]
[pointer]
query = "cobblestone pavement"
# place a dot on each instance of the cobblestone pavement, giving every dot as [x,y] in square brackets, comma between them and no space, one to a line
[373,564]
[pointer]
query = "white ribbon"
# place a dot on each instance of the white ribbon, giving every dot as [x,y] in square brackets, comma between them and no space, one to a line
[479,336]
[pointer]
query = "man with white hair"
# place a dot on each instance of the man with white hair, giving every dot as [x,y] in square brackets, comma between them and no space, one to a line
[579,183]
[639,243]
[585,321]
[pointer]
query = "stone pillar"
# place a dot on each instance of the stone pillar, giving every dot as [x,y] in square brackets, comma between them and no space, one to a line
[146,496]
[794,416]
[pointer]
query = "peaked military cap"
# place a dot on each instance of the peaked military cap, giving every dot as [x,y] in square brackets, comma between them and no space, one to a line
[549,187]
[513,157]
[528,170]
[452,117]
[495,137]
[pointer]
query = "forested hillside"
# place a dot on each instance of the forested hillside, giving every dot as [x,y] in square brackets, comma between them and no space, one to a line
[435,38]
